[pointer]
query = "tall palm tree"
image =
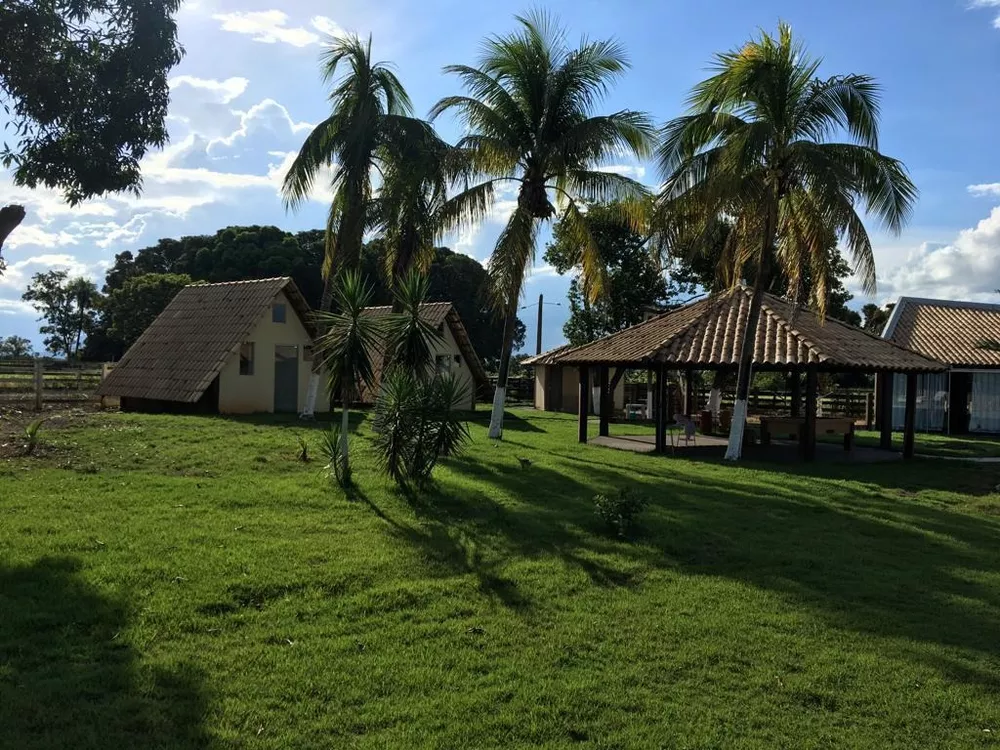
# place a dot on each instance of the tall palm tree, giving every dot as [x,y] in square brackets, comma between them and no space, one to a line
[370,122]
[406,213]
[530,122]
[760,146]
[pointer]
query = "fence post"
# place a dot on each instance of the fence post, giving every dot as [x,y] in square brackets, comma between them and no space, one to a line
[39,382]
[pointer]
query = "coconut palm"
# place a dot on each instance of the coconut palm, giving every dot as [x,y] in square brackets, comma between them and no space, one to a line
[788,158]
[531,128]
[345,348]
[369,124]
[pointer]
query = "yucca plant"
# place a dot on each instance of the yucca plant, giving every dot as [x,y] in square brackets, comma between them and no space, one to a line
[417,422]
[345,349]
[32,436]
[410,339]
[789,158]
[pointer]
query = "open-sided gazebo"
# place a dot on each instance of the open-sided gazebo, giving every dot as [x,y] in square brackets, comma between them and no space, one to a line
[707,335]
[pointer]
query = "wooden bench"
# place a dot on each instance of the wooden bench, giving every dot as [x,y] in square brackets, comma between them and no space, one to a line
[792,428]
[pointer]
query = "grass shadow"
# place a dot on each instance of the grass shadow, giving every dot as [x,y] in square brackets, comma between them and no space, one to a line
[68,678]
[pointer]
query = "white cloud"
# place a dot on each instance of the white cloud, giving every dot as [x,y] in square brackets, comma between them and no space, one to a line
[19,274]
[635,171]
[965,268]
[976,4]
[988,188]
[268,27]
[327,26]
[541,272]
[15,307]
[265,115]
[225,91]
[35,235]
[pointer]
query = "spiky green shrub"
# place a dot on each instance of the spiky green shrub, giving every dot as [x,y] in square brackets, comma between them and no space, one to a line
[417,422]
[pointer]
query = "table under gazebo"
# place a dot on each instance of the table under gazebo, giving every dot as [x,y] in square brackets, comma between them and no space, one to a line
[707,336]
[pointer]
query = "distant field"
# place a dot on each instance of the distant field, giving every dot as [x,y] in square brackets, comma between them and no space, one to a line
[186,582]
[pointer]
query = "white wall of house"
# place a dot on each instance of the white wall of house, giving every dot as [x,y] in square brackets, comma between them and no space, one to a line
[448,357]
[251,393]
[571,389]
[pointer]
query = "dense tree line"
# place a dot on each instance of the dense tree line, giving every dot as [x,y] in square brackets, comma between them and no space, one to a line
[139,285]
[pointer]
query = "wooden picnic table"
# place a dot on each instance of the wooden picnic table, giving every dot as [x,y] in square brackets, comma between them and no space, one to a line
[793,428]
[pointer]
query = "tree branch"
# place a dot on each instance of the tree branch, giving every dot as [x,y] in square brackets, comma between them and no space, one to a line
[10,217]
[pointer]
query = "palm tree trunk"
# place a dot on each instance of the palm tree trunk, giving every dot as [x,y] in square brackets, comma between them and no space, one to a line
[735,448]
[309,410]
[345,410]
[500,394]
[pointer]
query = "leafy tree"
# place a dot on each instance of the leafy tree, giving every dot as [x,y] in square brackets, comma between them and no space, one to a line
[128,311]
[529,116]
[763,144]
[15,347]
[68,307]
[369,126]
[84,85]
[876,317]
[633,283]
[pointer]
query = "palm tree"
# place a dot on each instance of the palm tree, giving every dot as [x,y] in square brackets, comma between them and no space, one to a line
[530,122]
[346,346]
[759,146]
[369,123]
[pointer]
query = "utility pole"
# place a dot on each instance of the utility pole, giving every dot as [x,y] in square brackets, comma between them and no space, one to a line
[538,339]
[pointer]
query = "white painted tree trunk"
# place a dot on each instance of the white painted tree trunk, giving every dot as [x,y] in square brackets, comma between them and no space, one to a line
[309,410]
[496,416]
[715,402]
[344,414]
[735,447]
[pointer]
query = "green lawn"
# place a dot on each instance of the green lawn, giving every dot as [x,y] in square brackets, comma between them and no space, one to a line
[186,582]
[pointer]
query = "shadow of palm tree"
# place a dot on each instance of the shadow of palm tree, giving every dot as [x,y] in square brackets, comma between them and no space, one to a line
[68,679]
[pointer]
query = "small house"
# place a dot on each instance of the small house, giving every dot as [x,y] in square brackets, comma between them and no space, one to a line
[556,386]
[966,398]
[233,348]
[453,353]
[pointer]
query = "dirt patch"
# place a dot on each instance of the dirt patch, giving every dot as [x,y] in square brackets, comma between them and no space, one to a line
[13,422]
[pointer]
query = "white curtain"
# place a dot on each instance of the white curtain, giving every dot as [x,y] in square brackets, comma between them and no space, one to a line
[985,408]
[932,402]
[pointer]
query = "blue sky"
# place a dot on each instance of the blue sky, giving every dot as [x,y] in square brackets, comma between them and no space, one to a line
[248,90]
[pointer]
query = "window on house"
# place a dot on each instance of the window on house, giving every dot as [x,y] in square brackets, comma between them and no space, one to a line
[246,358]
[442,363]
[307,353]
[440,327]
[458,360]
[278,312]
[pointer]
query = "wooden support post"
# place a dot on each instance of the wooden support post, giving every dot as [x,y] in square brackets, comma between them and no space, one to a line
[885,411]
[910,421]
[660,401]
[607,401]
[39,384]
[809,431]
[795,386]
[869,410]
[583,403]
[690,402]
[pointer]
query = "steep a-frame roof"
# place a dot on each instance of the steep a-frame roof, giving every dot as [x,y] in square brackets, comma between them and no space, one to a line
[185,348]
[438,313]
[709,334]
[946,330]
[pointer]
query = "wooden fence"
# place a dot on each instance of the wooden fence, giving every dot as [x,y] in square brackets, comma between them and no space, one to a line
[31,383]
[841,403]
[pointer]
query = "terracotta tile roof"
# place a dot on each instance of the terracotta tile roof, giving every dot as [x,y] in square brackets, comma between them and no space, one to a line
[945,330]
[433,312]
[708,333]
[179,355]
[549,357]
[438,313]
